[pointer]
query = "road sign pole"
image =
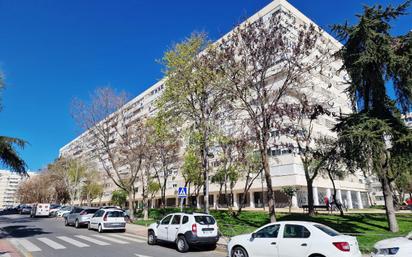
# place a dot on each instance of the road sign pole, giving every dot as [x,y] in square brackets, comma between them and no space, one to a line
[181,204]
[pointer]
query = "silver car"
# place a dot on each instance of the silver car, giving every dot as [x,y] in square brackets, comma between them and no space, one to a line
[79,216]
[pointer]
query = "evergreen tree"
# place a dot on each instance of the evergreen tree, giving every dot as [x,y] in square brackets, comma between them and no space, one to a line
[373,136]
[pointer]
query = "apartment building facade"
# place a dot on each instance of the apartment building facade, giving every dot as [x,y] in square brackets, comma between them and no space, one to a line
[9,184]
[285,164]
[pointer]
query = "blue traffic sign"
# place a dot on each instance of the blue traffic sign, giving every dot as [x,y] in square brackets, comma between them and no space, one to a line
[182,192]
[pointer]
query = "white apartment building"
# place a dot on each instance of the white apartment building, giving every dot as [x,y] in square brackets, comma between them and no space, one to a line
[9,184]
[285,164]
[408,119]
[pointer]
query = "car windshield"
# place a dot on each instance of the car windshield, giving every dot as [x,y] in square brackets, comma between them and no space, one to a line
[54,206]
[91,210]
[205,220]
[115,214]
[327,230]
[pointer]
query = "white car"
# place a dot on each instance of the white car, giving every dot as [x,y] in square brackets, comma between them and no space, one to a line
[108,219]
[294,239]
[185,230]
[397,247]
[63,210]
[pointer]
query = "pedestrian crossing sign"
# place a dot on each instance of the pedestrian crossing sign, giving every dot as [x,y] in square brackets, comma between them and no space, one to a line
[182,192]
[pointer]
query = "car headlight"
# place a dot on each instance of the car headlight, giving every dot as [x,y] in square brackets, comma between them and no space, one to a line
[389,251]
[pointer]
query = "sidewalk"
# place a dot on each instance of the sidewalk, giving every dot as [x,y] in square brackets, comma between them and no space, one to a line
[7,249]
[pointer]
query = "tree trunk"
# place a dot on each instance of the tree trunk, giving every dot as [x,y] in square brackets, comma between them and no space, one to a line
[290,204]
[131,204]
[268,177]
[89,200]
[205,164]
[145,209]
[389,206]
[337,203]
[311,210]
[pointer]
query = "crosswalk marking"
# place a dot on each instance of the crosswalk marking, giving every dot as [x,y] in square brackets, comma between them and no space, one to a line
[92,240]
[29,246]
[139,255]
[111,239]
[134,239]
[72,241]
[51,243]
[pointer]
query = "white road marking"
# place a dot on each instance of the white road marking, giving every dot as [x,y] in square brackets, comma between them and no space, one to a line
[111,239]
[130,238]
[139,255]
[51,243]
[72,241]
[92,240]
[29,246]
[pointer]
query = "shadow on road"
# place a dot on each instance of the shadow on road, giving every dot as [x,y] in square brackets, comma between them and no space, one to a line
[22,231]
[192,248]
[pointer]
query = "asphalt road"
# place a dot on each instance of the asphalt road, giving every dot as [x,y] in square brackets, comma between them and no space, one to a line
[48,237]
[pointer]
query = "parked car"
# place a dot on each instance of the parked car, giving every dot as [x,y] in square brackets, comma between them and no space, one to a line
[397,247]
[80,216]
[111,207]
[63,210]
[40,210]
[108,219]
[54,208]
[25,209]
[186,230]
[293,239]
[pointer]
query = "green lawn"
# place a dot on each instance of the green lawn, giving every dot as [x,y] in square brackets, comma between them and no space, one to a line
[368,228]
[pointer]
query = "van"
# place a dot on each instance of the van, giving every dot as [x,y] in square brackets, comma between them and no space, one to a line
[40,210]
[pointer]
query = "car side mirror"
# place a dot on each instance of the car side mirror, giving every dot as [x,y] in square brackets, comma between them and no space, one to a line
[158,222]
[253,236]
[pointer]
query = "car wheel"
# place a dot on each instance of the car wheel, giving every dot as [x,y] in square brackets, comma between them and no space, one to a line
[66,222]
[239,252]
[76,224]
[151,238]
[182,245]
[100,229]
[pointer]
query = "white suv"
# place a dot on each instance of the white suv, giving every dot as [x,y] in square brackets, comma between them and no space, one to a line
[108,219]
[185,230]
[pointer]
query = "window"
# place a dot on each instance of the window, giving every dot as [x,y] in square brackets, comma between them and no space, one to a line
[77,210]
[185,219]
[166,220]
[327,230]
[176,220]
[115,214]
[99,213]
[205,220]
[295,231]
[268,232]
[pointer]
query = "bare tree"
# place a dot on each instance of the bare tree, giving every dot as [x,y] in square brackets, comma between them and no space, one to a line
[250,166]
[163,144]
[191,93]
[265,61]
[71,173]
[116,138]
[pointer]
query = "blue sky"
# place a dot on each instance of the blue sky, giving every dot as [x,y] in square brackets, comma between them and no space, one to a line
[52,51]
